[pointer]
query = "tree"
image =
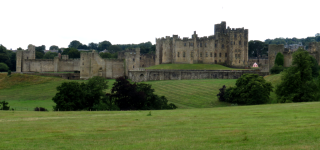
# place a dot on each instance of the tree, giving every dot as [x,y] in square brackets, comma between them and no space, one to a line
[104,45]
[114,48]
[74,44]
[76,96]
[250,89]
[40,51]
[19,48]
[93,46]
[74,53]
[50,55]
[3,67]
[314,67]
[54,47]
[297,82]
[141,96]
[257,48]
[279,59]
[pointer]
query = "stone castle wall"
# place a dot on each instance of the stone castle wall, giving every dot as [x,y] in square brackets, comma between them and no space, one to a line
[227,46]
[151,75]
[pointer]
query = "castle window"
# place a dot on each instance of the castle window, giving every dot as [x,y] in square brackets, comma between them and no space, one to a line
[185,44]
[210,54]
[219,54]
[219,60]
[215,45]
[222,46]
[191,54]
[184,54]
[140,58]
[215,61]
[226,54]
[201,54]
[133,59]
[178,54]
[200,44]
[239,42]
[215,54]
[133,66]
[235,35]
[205,45]
[82,63]
[235,55]
[206,54]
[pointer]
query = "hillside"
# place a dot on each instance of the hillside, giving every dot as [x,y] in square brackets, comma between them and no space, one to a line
[278,126]
[192,67]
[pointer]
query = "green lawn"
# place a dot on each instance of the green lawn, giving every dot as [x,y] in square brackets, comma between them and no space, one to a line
[277,126]
[26,92]
[192,67]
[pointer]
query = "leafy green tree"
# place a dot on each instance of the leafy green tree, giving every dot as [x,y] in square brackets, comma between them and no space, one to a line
[104,45]
[114,48]
[93,46]
[279,59]
[74,53]
[40,51]
[297,82]
[84,46]
[54,47]
[76,96]
[50,55]
[74,44]
[257,48]
[39,55]
[3,67]
[314,67]
[19,48]
[250,89]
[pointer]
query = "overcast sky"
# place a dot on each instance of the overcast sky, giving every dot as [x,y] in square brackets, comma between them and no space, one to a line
[58,22]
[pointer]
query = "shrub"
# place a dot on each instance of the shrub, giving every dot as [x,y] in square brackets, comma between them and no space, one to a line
[3,67]
[250,89]
[221,95]
[9,72]
[4,105]
[276,69]
[40,109]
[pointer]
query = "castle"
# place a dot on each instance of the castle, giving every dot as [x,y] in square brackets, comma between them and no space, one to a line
[227,46]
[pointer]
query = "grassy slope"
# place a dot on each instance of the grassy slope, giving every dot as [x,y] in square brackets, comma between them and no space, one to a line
[277,126]
[192,67]
[26,94]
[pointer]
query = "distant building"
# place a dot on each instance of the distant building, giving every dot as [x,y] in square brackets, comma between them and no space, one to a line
[294,47]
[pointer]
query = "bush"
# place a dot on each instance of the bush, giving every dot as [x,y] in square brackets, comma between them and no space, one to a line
[222,94]
[250,89]
[40,109]
[3,67]
[9,72]
[276,69]
[4,105]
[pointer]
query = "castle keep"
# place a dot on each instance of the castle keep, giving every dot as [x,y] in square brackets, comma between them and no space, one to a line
[227,46]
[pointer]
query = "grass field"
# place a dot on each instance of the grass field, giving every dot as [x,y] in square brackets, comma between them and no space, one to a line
[192,67]
[276,126]
[25,92]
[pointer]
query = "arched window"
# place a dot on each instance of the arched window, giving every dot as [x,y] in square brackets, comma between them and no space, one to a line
[178,54]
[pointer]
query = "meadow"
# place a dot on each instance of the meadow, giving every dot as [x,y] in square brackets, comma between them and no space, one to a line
[273,126]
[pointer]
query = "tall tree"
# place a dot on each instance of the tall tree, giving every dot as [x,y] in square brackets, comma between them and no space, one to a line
[279,59]
[74,44]
[257,48]
[93,46]
[297,82]
[54,47]
[114,48]
[74,53]
[104,45]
